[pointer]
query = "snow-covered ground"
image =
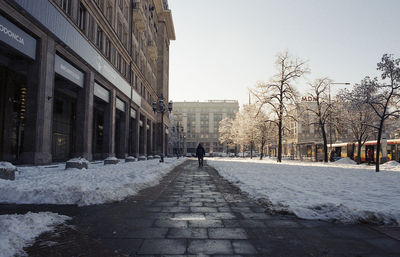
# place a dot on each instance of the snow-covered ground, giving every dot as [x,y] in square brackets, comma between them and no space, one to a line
[340,191]
[95,185]
[19,231]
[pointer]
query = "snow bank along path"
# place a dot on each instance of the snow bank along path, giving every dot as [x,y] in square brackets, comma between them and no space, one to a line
[19,231]
[345,192]
[98,184]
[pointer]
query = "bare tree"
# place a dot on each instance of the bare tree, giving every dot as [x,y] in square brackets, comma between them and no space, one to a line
[225,130]
[246,124]
[321,110]
[383,97]
[355,115]
[279,91]
[173,141]
[264,131]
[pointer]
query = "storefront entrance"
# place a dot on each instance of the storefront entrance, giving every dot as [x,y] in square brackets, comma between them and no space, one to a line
[118,136]
[133,136]
[13,107]
[99,109]
[64,120]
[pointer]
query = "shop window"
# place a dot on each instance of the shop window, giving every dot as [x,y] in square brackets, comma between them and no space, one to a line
[58,106]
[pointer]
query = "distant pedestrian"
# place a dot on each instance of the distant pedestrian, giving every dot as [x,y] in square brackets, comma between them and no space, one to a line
[200,152]
[369,156]
[332,157]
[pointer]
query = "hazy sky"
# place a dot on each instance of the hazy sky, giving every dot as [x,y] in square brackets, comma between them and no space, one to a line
[224,47]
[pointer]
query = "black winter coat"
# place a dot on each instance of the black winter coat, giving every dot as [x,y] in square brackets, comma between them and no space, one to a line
[200,152]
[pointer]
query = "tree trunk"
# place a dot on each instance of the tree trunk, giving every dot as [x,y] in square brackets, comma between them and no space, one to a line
[279,157]
[359,151]
[262,150]
[325,142]
[251,149]
[378,145]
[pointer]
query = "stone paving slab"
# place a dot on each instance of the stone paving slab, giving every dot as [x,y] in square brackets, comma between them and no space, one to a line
[195,212]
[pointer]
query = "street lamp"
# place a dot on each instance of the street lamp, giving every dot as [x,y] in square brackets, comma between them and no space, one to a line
[159,106]
[330,113]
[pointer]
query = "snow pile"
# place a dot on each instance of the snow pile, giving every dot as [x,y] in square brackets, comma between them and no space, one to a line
[391,164]
[78,160]
[19,231]
[98,184]
[7,166]
[345,160]
[349,193]
[111,158]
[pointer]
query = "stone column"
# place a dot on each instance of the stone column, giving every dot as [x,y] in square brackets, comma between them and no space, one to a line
[144,136]
[39,116]
[125,127]
[150,139]
[109,126]
[137,134]
[84,124]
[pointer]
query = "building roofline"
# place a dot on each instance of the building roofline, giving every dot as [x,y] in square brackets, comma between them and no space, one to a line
[165,15]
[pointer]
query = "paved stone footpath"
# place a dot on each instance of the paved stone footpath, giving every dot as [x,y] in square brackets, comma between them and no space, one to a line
[194,212]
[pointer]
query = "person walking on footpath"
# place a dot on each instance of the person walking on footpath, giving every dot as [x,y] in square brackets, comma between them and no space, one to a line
[369,156]
[200,152]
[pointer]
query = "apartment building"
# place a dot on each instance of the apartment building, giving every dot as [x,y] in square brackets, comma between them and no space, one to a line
[200,121]
[77,78]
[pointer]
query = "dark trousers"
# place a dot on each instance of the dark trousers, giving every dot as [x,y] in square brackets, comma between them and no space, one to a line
[200,158]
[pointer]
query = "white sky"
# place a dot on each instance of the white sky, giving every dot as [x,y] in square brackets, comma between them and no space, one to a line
[224,47]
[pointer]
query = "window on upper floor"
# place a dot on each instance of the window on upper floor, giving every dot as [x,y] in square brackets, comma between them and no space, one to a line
[126,9]
[119,29]
[107,50]
[91,33]
[109,13]
[82,17]
[65,5]
[100,4]
[125,39]
[99,37]
[118,61]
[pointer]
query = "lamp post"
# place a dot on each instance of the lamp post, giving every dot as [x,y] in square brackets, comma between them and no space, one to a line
[178,143]
[330,112]
[159,106]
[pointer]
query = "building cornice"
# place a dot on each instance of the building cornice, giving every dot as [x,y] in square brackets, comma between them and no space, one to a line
[166,16]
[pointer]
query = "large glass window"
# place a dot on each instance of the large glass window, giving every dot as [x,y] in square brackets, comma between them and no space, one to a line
[13,98]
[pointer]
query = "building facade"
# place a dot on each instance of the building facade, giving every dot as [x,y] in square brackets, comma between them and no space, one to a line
[77,78]
[200,122]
